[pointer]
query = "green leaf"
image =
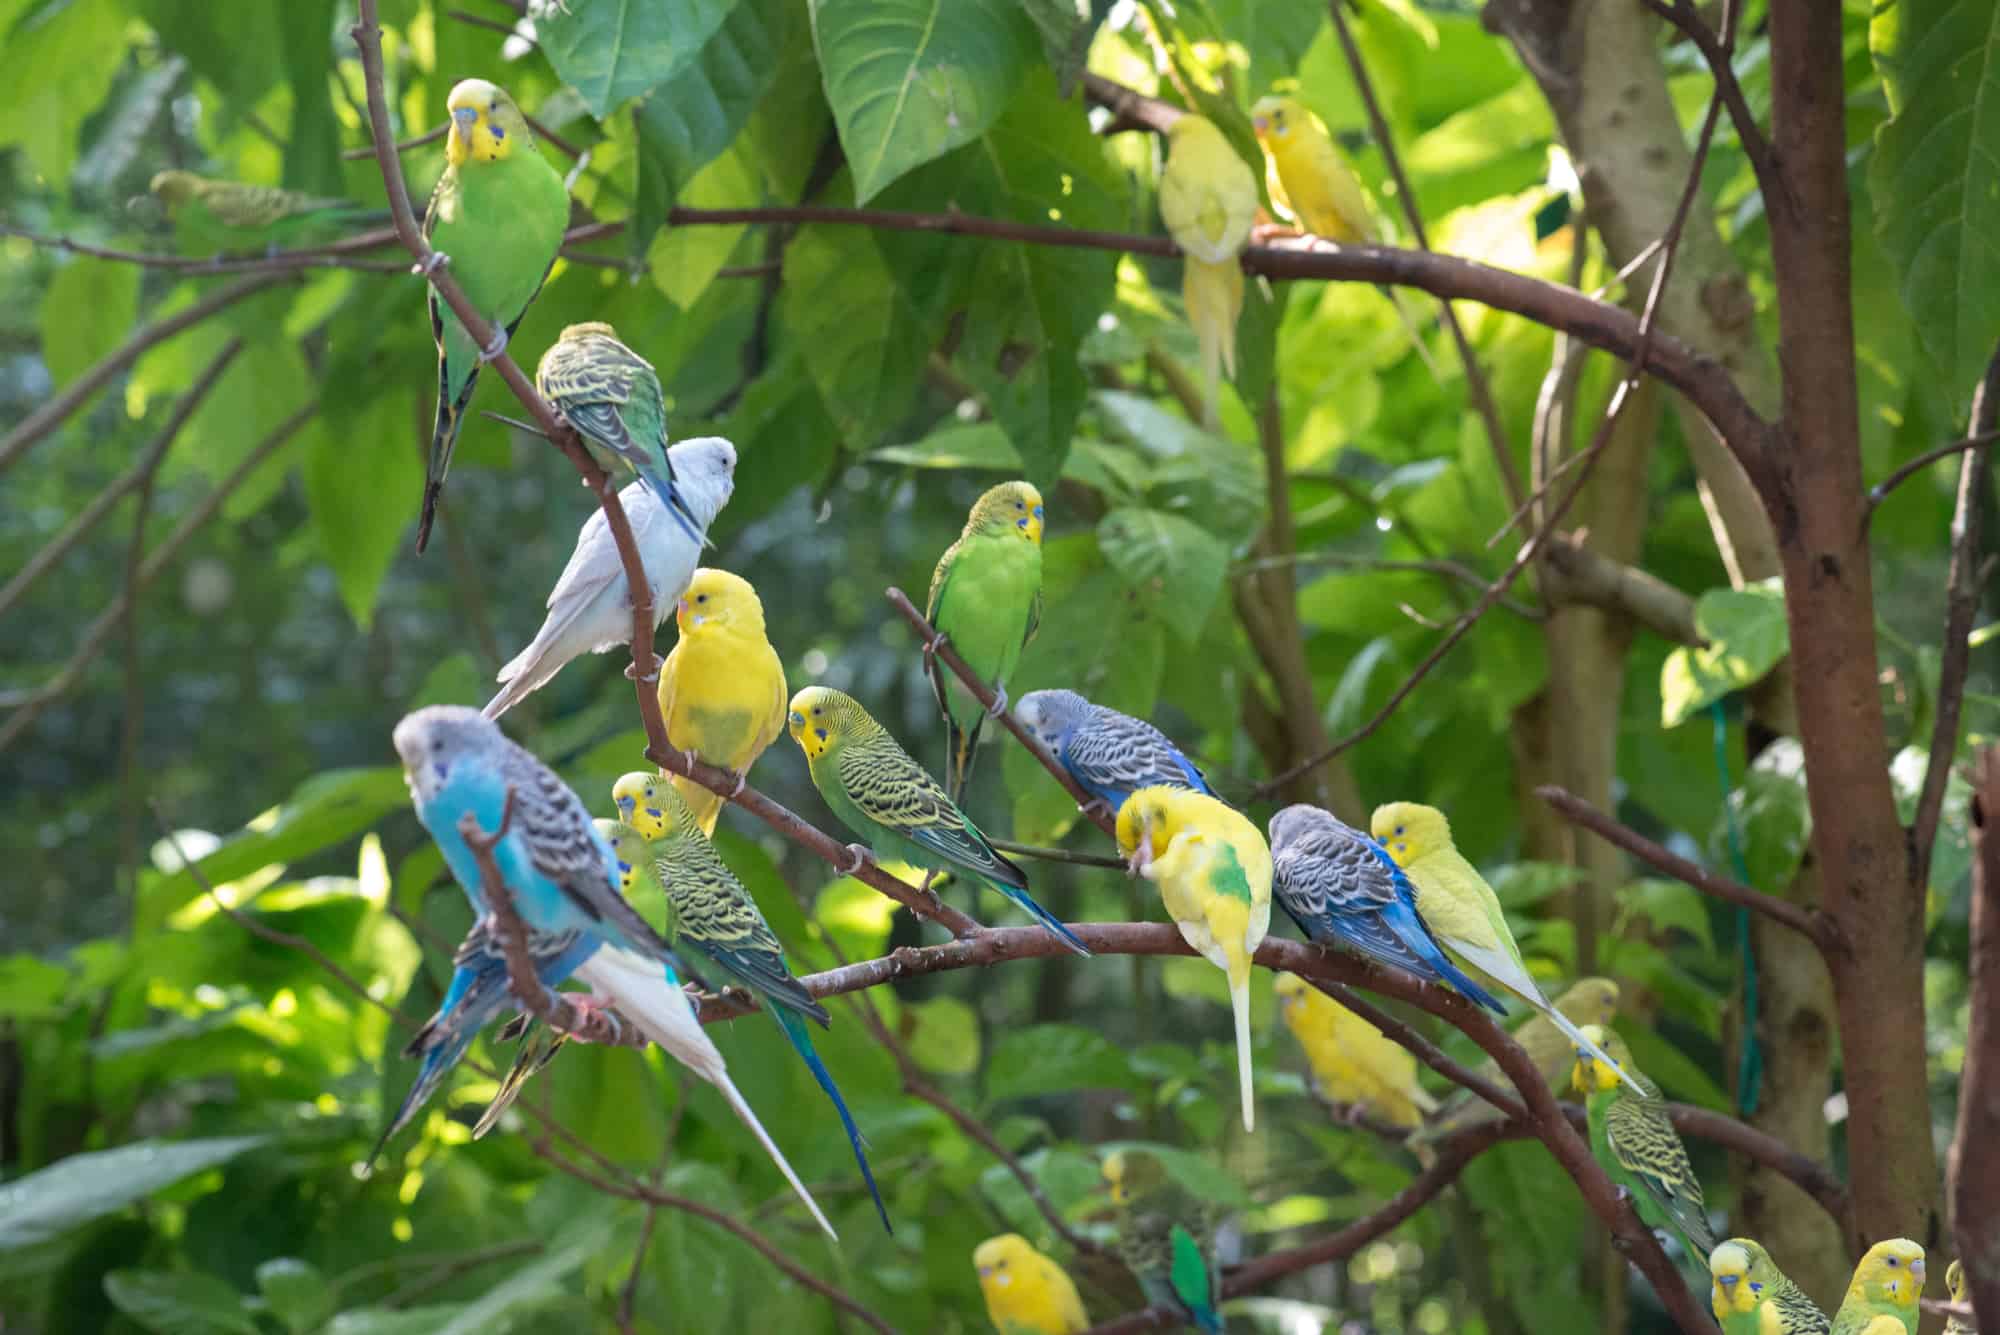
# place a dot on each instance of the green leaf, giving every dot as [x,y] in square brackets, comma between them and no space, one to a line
[87,311]
[861,340]
[1098,637]
[362,488]
[1934,179]
[1678,1075]
[981,445]
[83,1187]
[612,50]
[31,988]
[178,1303]
[55,69]
[296,1291]
[1772,817]
[533,1284]
[1951,853]
[1747,637]
[946,1037]
[1174,563]
[684,260]
[1052,1059]
[1669,905]
[404,1321]
[910,80]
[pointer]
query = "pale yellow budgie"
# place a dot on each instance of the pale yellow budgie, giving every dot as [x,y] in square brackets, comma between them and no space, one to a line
[1214,872]
[1464,914]
[1352,1063]
[1588,1001]
[722,689]
[1026,1292]
[1208,199]
[1312,180]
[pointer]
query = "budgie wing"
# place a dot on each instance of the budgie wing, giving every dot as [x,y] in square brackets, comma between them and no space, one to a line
[1797,1314]
[1335,885]
[1113,753]
[895,792]
[940,581]
[715,912]
[564,846]
[1647,1146]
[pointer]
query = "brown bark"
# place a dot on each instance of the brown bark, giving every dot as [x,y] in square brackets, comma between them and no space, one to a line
[1975,1181]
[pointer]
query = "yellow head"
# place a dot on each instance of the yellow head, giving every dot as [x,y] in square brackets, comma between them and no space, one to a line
[1145,825]
[1954,1281]
[175,188]
[1892,1272]
[651,805]
[1277,118]
[1735,1291]
[1130,1173]
[1590,1074]
[1409,830]
[1011,507]
[717,600]
[1590,1001]
[588,329]
[486,126]
[1003,1262]
[819,717]
[627,845]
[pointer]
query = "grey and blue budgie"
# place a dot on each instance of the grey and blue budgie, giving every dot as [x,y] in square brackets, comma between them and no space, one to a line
[1109,754]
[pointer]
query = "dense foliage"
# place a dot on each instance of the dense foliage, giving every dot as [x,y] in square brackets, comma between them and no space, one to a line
[184,1102]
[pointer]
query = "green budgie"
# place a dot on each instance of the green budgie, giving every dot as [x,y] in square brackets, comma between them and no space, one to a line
[1634,1142]
[1165,1238]
[1882,1297]
[1751,1296]
[884,796]
[210,215]
[497,215]
[710,911]
[986,598]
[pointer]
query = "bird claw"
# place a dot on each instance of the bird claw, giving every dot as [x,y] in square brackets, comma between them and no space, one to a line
[999,705]
[1098,809]
[742,782]
[493,350]
[931,646]
[861,858]
[632,673]
[690,757]
[438,260]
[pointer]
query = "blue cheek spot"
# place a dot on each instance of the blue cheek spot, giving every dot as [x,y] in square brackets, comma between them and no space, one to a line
[441,768]
[1038,512]
[624,867]
[499,132]
[654,812]
[820,733]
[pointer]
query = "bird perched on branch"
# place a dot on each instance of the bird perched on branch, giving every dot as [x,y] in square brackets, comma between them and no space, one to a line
[1751,1296]
[711,912]
[212,215]
[1165,1238]
[1464,914]
[1634,1141]
[722,689]
[1882,1296]
[590,607]
[1343,888]
[986,598]
[884,796]
[1587,1001]
[1954,1287]
[1309,178]
[1109,754]
[612,396]
[497,216]
[1208,199]
[1026,1292]
[1351,1062]
[1214,872]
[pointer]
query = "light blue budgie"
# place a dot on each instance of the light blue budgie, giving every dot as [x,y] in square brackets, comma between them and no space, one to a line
[1343,888]
[1109,754]
[590,608]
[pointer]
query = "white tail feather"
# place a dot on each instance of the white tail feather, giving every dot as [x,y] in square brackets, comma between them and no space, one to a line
[1239,1001]
[640,990]
[1502,968]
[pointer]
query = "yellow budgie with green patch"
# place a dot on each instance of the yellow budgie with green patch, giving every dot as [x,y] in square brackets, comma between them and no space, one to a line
[1464,914]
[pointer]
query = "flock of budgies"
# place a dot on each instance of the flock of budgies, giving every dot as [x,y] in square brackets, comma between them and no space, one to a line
[637,906]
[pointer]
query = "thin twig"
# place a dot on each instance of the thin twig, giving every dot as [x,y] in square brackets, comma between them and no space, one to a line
[1812,924]
[402,146]
[1070,856]
[1717,52]
[202,266]
[629,1295]
[1455,571]
[1477,386]
[1903,473]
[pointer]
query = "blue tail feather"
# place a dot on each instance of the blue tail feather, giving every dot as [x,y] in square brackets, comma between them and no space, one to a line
[795,1030]
[1046,919]
[1410,928]
[669,496]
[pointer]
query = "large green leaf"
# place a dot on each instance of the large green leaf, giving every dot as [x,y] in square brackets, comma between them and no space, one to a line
[1053,1059]
[910,80]
[88,310]
[1747,636]
[1772,819]
[296,1291]
[1176,565]
[54,68]
[179,1303]
[536,1283]
[83,1187]
[362,488]
[1934,178]
[612,50]
[862,342]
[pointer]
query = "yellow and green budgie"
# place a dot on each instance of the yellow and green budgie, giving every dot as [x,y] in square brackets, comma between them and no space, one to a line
[1308,177]
[1214,872]
[1634,1141]
[1026,1292]
[722,688]
[1954,1287]
[497,216]
[214,215]
[1587,1001]
[1462,911]
[883,795]
[986,598]
[1882,1296]
[1208,199]
[1166,1238]
[1352,1063]
[1751,1296]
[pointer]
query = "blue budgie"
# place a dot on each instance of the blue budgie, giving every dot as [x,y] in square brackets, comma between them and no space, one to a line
[1109,754]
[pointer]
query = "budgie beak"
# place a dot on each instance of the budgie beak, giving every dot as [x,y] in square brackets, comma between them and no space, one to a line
[1260,125]
[1142,850]
[681,616]
[463,120]
[1917,1271]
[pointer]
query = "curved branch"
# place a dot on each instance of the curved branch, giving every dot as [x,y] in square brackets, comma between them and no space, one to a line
[1812,924]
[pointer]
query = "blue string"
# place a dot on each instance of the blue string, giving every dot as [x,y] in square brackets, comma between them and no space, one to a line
[1750,1066]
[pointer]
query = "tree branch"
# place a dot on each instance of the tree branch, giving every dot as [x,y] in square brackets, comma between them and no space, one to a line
[1717,51]
[1132,109]
[1589,578]
[51,414]
[1812,924]
[1454,571]
[1972,1178]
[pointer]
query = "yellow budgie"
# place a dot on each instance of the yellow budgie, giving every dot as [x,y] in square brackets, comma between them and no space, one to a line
[1352,1063]
[1214,872]
[1208,198]
[1312,180]
[722,689]
[1882,1297]
[1026,1292]
[1464,914]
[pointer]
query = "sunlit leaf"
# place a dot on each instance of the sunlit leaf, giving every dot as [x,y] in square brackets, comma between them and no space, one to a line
[88,1186]
[616,50]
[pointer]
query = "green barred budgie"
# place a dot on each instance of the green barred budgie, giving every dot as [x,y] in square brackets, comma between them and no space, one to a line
[1587,1001]
[1165,1238]
[1635,1143]
[1751,1296]
[211,215]
[884,796]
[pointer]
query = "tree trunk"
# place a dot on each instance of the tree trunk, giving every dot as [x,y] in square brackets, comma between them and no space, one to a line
[1975,1182]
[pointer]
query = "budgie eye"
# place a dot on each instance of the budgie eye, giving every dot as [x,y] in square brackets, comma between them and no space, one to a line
[701,597]
[798,718]
[1399,829]
[1892,1262]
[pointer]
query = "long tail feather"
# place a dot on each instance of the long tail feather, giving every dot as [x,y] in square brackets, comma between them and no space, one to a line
[538,1049]
[801,1039]
[444,436]
[964,744]
[1239,1001]
[1503,969]
[1046,919]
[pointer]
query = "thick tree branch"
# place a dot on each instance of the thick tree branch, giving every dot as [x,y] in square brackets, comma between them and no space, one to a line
[1586,577]
[1973,1178]
[1132,109]
[1961,605]
[1809,923]
[50,415]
